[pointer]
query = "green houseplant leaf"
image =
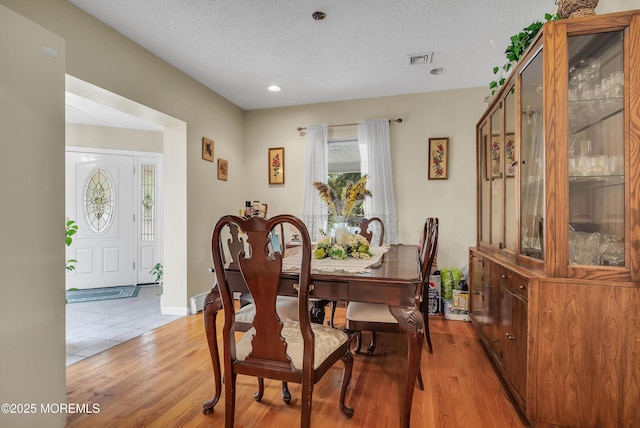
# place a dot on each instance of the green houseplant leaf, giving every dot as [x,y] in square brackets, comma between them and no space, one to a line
[71,229]
[519,44]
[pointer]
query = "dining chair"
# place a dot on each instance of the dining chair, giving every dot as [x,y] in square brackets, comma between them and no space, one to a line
[369,228]
[275,347]
[286,306]
[376,317]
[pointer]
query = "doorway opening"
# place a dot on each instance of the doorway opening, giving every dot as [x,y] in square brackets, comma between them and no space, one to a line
[91,109]
[115,199]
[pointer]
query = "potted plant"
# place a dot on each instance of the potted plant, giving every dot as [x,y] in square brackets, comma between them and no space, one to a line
[71,228]
[157,271]
[519,44]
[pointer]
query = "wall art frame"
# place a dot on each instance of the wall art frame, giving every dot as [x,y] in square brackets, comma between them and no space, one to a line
[207,149]
[276,165]
[223,169]
[438,158]
[495,157]
[509,156]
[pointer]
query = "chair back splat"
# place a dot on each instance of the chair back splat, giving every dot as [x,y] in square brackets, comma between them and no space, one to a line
[376,317]
[370,225]
[261,270]
[427,256]
[275,347]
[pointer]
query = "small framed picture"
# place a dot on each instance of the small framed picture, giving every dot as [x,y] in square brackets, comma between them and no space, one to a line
[438,158]
[223,169]
[207,149]
[276,165]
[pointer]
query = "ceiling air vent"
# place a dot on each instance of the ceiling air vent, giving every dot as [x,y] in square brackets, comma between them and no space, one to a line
[420,59]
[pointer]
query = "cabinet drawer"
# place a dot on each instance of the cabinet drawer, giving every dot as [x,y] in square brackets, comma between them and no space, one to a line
[515,283]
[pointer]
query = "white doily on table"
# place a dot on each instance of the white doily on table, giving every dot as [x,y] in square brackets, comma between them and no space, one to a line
[350,264]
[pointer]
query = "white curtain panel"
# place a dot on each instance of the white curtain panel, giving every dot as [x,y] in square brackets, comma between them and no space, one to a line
[375,160]
[315,213]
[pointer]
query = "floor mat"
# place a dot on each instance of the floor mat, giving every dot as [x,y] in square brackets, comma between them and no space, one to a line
[107,293]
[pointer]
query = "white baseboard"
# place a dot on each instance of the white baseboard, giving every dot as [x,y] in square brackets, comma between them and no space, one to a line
[196,303]
[174,310]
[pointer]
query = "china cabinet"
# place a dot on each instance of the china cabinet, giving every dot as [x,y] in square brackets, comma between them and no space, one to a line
[555,274]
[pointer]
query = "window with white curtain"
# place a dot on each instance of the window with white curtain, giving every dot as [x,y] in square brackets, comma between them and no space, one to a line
[343,164]
[344,156]
[373,142]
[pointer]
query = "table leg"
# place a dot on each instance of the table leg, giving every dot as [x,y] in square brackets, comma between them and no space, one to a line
[412,322]
[212,305]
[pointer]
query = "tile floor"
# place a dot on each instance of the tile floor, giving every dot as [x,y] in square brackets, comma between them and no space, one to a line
[93,327]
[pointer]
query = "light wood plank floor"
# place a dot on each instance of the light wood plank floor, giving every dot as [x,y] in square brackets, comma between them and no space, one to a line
[161,379]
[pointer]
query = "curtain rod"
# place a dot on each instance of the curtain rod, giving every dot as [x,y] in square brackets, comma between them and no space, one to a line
[302,128]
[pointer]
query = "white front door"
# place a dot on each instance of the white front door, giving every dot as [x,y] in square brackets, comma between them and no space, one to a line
[99,197]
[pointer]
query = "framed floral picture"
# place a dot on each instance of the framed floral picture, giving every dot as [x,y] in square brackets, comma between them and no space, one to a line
[438,158]
[510,155]
[207,149]
[223,169]
[494,150]
[276,165]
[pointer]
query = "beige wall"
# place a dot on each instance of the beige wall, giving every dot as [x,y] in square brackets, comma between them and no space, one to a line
[609,6]
[100,56]
[32,305]
[32,318]
[451,114]
[103,137]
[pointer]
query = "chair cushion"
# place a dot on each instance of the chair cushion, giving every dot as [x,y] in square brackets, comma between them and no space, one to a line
[327,341]
[370,312]
[286,307]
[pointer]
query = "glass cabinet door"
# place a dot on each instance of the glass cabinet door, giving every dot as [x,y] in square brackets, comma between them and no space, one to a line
[496,161]
[509,168]
[596,149]
[485,193]
[532,160]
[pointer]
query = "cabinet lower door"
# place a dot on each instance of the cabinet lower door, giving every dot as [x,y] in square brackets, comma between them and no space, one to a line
[514,347]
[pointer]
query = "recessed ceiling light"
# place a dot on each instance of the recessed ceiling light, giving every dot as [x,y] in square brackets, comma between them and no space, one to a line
[273,88]
[438,70]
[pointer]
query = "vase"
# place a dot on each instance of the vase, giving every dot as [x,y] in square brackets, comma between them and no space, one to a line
[340,231]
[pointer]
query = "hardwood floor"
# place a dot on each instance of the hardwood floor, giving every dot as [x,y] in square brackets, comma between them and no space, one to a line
[161,379]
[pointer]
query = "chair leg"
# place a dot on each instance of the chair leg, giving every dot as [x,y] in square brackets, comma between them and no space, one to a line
[286,395]
[334,303]
[427,335]
[358,342]
[229,399]
[372,345]
[347,359]
[258,395]
[307,395]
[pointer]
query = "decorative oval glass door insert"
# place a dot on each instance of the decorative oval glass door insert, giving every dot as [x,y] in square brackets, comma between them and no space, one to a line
[99,204]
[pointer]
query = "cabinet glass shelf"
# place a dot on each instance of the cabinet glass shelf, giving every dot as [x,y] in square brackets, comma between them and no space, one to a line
[586,113]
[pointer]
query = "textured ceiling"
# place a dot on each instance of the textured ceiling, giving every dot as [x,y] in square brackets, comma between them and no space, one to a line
[361,50]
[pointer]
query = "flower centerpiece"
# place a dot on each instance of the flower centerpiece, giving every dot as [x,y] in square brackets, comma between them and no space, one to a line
[355,246]
[341,208]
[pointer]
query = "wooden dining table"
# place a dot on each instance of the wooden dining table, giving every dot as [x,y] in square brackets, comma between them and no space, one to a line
[394,280]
